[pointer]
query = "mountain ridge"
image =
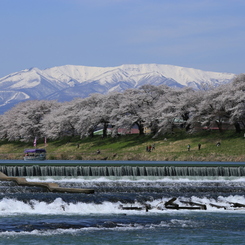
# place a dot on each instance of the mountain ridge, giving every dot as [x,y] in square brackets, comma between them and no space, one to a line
[63,83]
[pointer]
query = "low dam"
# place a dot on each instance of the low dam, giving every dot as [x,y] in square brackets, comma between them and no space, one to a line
[121,168]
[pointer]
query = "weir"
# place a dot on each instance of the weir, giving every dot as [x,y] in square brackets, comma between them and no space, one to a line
[123,170]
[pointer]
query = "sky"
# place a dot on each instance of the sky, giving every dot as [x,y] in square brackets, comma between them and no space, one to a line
[203,34]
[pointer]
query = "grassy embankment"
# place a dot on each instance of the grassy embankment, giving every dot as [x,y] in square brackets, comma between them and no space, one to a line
[133,147]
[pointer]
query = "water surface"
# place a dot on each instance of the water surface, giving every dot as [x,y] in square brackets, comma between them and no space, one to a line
[31,215]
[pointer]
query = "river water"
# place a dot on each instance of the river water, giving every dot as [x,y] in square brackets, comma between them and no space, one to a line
[124,210]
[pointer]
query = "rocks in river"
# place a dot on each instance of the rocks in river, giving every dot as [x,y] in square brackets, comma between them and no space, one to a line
[187,205]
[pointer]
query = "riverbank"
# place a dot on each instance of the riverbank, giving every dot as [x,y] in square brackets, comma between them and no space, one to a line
[203,147]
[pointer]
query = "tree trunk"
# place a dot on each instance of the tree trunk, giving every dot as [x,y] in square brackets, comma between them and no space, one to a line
[91,132]
[154,128]
[219,124]
[105,126]
[187,127]
[141,128]
[238,128]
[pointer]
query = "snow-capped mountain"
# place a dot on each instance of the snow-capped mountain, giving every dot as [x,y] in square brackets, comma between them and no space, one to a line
[67,82]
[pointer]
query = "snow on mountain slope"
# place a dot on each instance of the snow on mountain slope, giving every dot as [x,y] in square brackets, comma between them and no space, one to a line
[181,75]
[67,82]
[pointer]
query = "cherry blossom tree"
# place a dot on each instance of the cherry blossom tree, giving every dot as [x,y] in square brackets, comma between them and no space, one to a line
[223,105]
[159,108]
[91,115]
[60,122]
[25,121]
[236,100]
[133,110]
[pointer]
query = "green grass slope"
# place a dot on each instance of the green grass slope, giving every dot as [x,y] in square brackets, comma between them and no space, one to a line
[133,147]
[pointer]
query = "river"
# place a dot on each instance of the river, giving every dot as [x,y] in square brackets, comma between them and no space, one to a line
[128,206]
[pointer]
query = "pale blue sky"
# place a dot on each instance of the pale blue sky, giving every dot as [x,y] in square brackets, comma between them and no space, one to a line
[203,34]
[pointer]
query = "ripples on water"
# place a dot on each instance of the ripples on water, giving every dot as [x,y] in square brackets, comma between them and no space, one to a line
[34,216]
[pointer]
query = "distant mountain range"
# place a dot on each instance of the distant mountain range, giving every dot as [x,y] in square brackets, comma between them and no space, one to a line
[65,83]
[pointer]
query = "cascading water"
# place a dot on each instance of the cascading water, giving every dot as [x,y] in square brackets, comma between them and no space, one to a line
[37,170]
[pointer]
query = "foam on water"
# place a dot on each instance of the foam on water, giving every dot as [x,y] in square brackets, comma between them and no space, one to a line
[32,215]
[78,179]
[9,207]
